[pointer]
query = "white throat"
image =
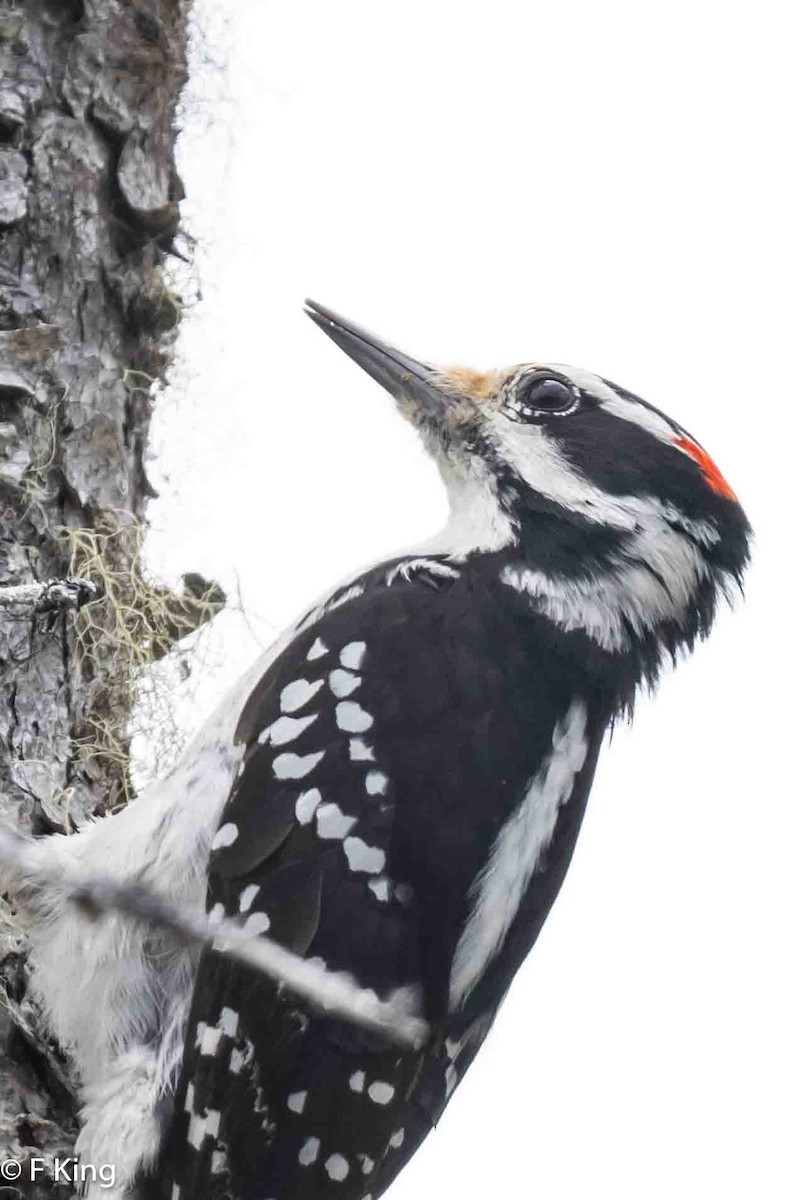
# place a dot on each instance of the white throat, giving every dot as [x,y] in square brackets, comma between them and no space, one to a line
[477,522]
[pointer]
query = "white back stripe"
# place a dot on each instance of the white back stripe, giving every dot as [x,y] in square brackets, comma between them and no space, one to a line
[499,888]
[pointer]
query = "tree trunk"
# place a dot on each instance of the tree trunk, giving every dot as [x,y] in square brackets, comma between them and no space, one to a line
[88,213]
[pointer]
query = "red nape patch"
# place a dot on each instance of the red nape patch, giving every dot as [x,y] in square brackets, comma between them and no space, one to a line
[714,477]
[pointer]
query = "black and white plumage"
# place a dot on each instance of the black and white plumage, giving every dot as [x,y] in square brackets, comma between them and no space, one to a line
[397,790]
[377,774]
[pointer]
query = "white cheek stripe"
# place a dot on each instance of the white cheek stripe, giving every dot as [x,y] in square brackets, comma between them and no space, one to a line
[499,888]
[538,460]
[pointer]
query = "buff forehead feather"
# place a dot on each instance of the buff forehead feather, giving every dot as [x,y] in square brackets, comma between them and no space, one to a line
[482,387]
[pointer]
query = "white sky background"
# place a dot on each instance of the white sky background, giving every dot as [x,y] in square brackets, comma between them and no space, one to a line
[610,185]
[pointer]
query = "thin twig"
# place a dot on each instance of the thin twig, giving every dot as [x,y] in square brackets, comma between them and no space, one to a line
[335,994]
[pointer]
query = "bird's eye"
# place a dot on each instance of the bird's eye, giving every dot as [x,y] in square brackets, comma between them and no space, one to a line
[547,393]
[541,393]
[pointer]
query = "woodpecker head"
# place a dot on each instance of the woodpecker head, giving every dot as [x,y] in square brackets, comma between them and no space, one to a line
[605,514]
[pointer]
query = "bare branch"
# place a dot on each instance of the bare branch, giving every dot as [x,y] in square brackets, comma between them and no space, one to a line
[48,596]
[334,993]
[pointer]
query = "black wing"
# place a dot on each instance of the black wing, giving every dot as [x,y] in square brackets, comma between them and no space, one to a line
[385,749]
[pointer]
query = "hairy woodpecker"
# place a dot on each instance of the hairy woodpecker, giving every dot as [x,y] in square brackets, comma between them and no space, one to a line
[396,788]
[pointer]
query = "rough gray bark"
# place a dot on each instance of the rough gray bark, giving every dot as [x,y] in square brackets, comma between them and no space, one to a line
[88,211]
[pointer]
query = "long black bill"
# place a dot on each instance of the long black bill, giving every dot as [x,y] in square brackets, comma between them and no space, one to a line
[403,377]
